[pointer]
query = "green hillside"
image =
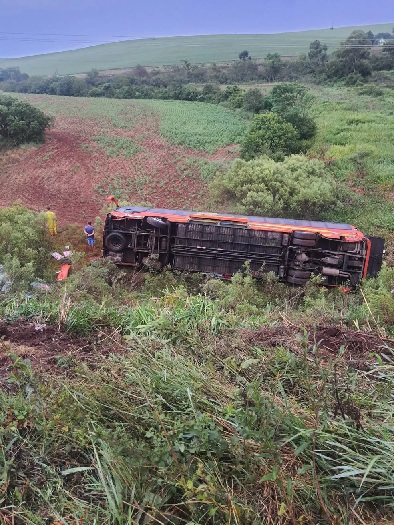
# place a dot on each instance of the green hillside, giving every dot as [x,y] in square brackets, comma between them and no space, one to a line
[170,50]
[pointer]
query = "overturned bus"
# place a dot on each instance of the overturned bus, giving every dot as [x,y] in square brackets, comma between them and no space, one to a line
[220,244]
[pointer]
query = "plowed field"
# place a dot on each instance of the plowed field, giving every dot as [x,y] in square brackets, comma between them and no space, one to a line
[157,153]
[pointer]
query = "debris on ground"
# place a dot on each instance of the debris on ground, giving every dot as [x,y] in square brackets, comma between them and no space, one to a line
[44,287]
[63,273]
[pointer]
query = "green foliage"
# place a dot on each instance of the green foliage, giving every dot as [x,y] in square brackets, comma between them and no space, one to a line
[269,134]
[274,65]
[24,244]
[317,54]
[286,97]
[293,102]
[296,187]
[352,59]
[115,146]
[21,122]
[244,55]
[98,281]
[253,101]
[198,125]
[189,413]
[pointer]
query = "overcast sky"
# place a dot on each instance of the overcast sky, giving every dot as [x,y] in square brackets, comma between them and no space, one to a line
[39,26]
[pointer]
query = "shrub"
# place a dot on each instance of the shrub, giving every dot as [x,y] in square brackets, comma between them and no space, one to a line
[292,102]
[269,135]
[24,243]
[297,187]
[20,122]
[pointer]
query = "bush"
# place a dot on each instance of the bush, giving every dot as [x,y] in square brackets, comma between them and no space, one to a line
[292,102]
[297,187]
[269,135]
[24,244]
[20,122]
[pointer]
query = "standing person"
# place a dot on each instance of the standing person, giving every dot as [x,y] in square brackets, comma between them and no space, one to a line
[51,221]
[89,232]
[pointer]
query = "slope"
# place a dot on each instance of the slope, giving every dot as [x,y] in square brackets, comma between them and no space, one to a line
[157,152]
[170,50]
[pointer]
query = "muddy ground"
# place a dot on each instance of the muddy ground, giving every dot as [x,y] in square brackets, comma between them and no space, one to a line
[51,350]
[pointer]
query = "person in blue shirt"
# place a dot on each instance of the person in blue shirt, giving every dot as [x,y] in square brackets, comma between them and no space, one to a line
[89,232]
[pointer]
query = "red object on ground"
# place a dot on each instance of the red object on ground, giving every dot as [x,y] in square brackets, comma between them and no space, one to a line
[63,274]
[111,198]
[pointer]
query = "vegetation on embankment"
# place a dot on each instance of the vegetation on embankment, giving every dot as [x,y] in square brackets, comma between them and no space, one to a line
[177,399]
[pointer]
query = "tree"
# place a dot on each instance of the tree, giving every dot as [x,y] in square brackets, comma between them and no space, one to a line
[286,97]
[12,73]
[297,187]
[274,65]
[244,55]
[92,77]
[21,122]
[270,135]
[253,101]
[24,244]
[293,102]
[352,58]
[317,54]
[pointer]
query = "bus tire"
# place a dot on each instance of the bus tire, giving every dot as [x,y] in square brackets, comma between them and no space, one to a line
[307,236]
[115,242]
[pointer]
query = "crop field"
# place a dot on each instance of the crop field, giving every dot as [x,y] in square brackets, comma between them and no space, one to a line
[161,153]
[170,50]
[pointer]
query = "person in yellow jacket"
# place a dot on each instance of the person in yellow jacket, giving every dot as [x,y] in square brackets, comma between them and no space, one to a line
[51,221]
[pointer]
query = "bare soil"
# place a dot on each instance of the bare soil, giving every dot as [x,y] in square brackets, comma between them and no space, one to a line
[49,349]
[357,348]
[71,172]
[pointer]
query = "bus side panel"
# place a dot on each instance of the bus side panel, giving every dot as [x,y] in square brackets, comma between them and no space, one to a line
[223,249]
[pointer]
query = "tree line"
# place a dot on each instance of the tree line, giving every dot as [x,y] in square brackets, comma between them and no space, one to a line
[359,57]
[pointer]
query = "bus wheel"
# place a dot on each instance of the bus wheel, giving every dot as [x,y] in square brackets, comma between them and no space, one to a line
[115,242]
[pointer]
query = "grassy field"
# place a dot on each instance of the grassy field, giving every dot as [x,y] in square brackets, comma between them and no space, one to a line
[355,138]
[165,51]
[184,400]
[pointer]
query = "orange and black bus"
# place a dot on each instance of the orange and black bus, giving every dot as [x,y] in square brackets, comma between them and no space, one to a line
[220,244]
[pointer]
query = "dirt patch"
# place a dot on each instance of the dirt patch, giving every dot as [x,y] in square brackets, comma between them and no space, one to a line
[328,341]
[73,173]
[49,349]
